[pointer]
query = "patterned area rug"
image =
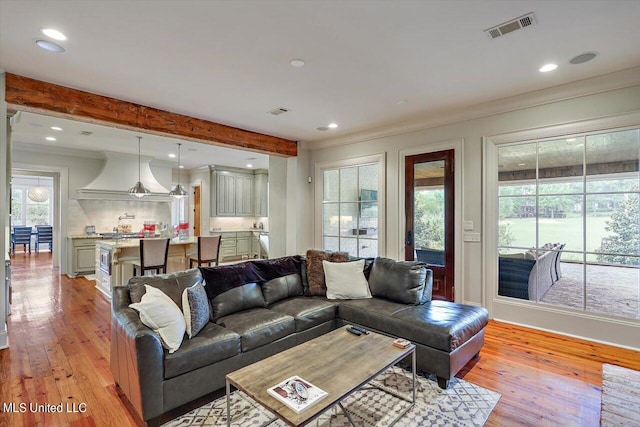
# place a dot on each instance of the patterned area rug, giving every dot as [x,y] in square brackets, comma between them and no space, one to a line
[620,396]
[462,404]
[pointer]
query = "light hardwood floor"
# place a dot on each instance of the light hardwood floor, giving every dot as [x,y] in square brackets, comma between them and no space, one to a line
[59,353]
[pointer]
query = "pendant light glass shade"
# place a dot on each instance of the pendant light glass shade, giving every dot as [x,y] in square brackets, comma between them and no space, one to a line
[138,190]
[38,194]
[178,191]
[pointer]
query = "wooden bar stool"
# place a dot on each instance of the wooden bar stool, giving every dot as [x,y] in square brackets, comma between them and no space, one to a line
[153,256]
[208,251]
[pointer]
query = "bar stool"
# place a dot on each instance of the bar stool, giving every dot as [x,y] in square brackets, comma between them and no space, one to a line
[208,251]
[153,256]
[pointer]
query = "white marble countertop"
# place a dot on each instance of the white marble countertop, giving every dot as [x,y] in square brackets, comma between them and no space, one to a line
[237,230]
[84,236]
[130,243]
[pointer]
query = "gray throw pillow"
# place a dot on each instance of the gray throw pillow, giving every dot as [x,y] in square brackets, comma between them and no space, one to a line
[195,306]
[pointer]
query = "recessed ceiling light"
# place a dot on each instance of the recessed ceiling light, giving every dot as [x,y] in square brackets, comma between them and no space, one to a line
[571,140]
[58,128]
[298,63]
[50,138]
[50,46]
[583,57]
[332,125]
[548,67]
[522,164]
[249,165]
[54,34]
[173,156]
[181,167]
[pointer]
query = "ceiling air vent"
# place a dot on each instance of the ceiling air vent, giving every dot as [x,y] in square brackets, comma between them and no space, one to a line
[86,133]
[510,26]
[278,111]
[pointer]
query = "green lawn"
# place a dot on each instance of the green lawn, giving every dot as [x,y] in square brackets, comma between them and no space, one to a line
[564,230]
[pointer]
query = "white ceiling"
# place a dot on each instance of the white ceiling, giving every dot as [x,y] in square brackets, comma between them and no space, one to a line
[228,61]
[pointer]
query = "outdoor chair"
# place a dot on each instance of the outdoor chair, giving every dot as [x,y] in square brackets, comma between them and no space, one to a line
[21,236]
[44,234]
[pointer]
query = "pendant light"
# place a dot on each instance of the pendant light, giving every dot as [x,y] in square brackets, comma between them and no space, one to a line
[178,192]
[38,194]
[139,189]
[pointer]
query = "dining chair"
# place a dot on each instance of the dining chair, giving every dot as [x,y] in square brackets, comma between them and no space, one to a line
[208,251]
[44,234]
[21,236]
[153,256]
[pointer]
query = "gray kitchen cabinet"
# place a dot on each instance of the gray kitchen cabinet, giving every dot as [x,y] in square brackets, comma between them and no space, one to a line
[225,194]
[255,244]
[82,256]
[234,193]
[261,193]
[244,195]
[243,244]
[227,246]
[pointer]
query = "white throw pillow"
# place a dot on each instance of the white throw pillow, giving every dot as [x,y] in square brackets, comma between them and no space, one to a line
[160,313]
[345,280]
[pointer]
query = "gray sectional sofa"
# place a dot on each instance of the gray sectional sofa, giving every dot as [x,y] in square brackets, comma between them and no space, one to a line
[254,320]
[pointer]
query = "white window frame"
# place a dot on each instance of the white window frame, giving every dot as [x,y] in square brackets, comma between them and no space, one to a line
[380,160]
[595,326]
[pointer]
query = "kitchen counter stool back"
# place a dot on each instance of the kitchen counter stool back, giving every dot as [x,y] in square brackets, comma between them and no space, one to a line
[208,251]
[153,256]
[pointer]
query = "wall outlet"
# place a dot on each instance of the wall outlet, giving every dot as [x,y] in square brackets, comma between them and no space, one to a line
[471,237]
[468,225]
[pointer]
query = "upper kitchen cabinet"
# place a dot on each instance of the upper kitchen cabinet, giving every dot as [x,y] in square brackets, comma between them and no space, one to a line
[261,190]
[234,192]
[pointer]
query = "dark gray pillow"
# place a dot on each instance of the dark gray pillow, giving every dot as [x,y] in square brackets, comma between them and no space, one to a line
[237,299]
[195,306]
[281,288]
[399,281]
[171,284]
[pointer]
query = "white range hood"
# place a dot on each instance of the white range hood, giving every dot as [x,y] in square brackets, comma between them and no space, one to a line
[120,173]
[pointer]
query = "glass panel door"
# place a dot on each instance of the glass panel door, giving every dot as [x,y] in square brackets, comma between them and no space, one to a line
[429,210]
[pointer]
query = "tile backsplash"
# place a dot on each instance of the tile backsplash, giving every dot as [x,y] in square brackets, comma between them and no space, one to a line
[104,214]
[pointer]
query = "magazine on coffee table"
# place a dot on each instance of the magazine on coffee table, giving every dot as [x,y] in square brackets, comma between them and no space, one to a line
[297,393]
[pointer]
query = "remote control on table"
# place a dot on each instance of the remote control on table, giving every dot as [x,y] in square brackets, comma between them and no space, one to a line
[354,331]
[364,331]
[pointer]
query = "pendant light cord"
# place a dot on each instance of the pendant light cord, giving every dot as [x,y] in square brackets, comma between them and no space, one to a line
[139,138]
[179,144]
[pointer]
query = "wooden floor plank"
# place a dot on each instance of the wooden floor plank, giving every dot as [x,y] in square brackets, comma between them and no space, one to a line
[59,332]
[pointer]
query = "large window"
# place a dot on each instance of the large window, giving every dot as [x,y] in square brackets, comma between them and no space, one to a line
[34,210]
[569,225]
[351,207]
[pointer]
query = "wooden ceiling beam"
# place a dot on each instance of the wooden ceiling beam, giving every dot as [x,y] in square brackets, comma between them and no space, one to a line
[35,96]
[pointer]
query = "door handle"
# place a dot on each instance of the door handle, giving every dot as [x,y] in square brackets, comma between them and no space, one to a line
[409,241]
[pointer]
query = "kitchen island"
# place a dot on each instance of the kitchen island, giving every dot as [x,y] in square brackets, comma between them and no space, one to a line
[113,260]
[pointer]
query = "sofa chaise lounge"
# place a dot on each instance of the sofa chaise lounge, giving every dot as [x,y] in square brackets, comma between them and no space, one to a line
[255,320]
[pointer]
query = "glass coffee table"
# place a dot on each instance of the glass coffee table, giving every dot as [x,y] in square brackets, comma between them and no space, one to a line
[339,363]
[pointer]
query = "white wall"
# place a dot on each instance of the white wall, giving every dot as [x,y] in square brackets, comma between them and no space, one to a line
[278,226]
[579,108]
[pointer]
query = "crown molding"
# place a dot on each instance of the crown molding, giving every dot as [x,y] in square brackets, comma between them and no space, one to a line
[603,83]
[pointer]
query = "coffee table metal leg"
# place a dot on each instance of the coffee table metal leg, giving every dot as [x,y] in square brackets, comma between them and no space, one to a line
[228,387]
[346,414]
[413,391]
